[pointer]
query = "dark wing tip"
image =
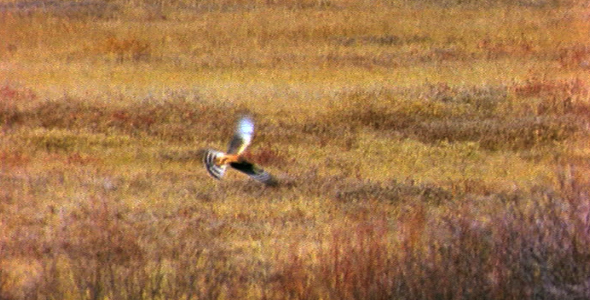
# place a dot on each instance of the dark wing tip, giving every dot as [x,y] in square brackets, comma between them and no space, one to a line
[255,172]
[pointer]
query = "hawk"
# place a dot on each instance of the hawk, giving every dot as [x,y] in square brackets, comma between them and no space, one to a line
[216,162]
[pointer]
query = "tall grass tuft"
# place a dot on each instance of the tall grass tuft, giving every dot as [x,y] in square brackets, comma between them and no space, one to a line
[536,248]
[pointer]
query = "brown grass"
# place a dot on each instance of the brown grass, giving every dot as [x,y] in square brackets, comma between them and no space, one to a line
[424,150]
[532,250]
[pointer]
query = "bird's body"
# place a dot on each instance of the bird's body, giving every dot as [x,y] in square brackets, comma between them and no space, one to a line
[216,162]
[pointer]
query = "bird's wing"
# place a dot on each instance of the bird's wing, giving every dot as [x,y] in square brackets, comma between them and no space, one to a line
[254,172]
[209,158]
[242,137]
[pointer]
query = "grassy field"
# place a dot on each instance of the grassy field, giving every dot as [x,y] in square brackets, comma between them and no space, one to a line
[430,149]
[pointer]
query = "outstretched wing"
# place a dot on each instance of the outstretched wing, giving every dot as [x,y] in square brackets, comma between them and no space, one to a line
[209,158]
[254,172]
[242,137]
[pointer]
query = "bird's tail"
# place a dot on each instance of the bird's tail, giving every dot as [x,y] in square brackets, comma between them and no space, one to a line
[209,158]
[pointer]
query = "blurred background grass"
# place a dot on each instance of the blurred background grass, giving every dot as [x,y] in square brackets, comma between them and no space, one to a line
[416,142]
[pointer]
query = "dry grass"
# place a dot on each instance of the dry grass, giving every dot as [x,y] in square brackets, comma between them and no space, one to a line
[426,150]
[528,245]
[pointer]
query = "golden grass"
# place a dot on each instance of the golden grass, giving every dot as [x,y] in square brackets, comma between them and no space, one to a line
[431,150]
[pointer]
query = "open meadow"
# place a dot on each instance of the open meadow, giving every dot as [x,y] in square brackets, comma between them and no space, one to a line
[434,149]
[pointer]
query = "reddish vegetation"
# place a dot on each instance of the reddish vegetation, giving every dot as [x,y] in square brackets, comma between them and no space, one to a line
[432,149]
[537,248]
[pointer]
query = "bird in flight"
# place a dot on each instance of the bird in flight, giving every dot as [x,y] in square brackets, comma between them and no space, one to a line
[216,162]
